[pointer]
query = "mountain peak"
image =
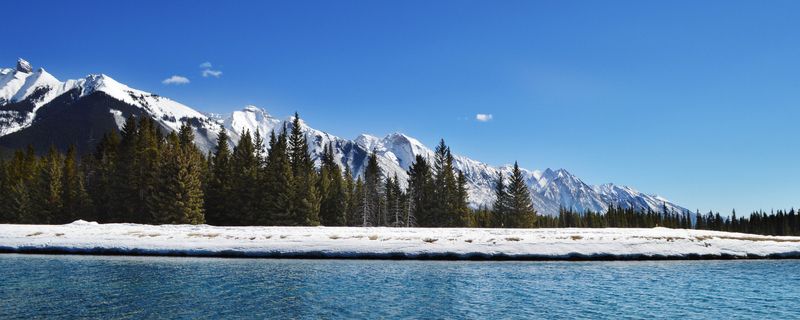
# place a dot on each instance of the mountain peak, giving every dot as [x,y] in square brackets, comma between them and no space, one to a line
[24,66]
[252,108]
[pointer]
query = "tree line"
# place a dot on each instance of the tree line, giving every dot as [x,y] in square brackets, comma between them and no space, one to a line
[142,175]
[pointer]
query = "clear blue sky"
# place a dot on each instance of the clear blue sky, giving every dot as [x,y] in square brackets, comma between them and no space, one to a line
[698,101]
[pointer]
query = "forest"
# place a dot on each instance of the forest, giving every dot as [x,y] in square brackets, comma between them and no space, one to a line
[141,175]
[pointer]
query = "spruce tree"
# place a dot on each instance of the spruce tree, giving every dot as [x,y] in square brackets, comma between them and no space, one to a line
[17,181]
[219,185]
[75,199]
[5,215]
[101,171]
[278,183]
[501,203]
[421,193]
[462,201]
[372,211]
[350,194]
[520,209]
[147,167]
[305,202]
[244,195]
[331,186]
[179,195]
[445,211]
[47,194]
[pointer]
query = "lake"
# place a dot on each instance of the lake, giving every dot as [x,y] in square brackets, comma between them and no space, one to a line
[155,287]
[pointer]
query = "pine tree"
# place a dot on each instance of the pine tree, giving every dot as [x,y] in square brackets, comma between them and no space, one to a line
[219,184]
[520,209]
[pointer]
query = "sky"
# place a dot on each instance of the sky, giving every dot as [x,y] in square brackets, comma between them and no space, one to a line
[697,101]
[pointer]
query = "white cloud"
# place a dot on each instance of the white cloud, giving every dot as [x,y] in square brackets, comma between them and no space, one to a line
[175,80]
[211,73]
[205,65]
[482,117]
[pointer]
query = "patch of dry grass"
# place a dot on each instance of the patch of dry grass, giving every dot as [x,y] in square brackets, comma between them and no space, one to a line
[37,233]
[429,240]
[203,235]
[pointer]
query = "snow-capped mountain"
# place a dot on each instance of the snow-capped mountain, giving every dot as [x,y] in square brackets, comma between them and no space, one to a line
[38,109]
[97,102]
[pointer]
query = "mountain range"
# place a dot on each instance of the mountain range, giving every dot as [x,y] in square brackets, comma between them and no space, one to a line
[39,110]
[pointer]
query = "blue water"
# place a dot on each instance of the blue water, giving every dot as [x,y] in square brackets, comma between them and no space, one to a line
[36,286]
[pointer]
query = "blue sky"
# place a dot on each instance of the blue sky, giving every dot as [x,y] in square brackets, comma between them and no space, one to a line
[698,101]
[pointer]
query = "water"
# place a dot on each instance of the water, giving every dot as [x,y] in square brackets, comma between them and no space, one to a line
[35,286]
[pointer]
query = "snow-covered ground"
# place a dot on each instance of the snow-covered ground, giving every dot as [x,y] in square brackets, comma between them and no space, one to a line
[411,243]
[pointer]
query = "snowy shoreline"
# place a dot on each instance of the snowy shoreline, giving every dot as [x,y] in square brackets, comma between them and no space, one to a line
[83,237]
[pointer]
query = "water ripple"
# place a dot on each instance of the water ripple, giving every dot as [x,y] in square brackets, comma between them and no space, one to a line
[190,288]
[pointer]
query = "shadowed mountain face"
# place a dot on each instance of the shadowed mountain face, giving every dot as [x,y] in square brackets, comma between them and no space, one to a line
[39,110]
[70,121]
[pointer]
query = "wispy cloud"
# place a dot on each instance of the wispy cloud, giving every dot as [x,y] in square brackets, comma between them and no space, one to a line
[483,117]
[175,80]
[208,72]
[211,73]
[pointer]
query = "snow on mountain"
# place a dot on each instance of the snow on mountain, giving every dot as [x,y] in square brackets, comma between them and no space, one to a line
[24,93]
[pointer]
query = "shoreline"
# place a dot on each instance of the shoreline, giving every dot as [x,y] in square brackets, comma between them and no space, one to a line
[357,243]
[103,252]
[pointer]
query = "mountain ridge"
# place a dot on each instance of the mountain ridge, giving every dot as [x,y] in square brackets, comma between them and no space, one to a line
[33,105]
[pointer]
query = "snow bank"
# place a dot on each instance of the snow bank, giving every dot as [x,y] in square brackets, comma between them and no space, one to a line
[392,243]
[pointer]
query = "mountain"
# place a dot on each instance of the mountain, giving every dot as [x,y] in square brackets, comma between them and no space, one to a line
[37,109]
